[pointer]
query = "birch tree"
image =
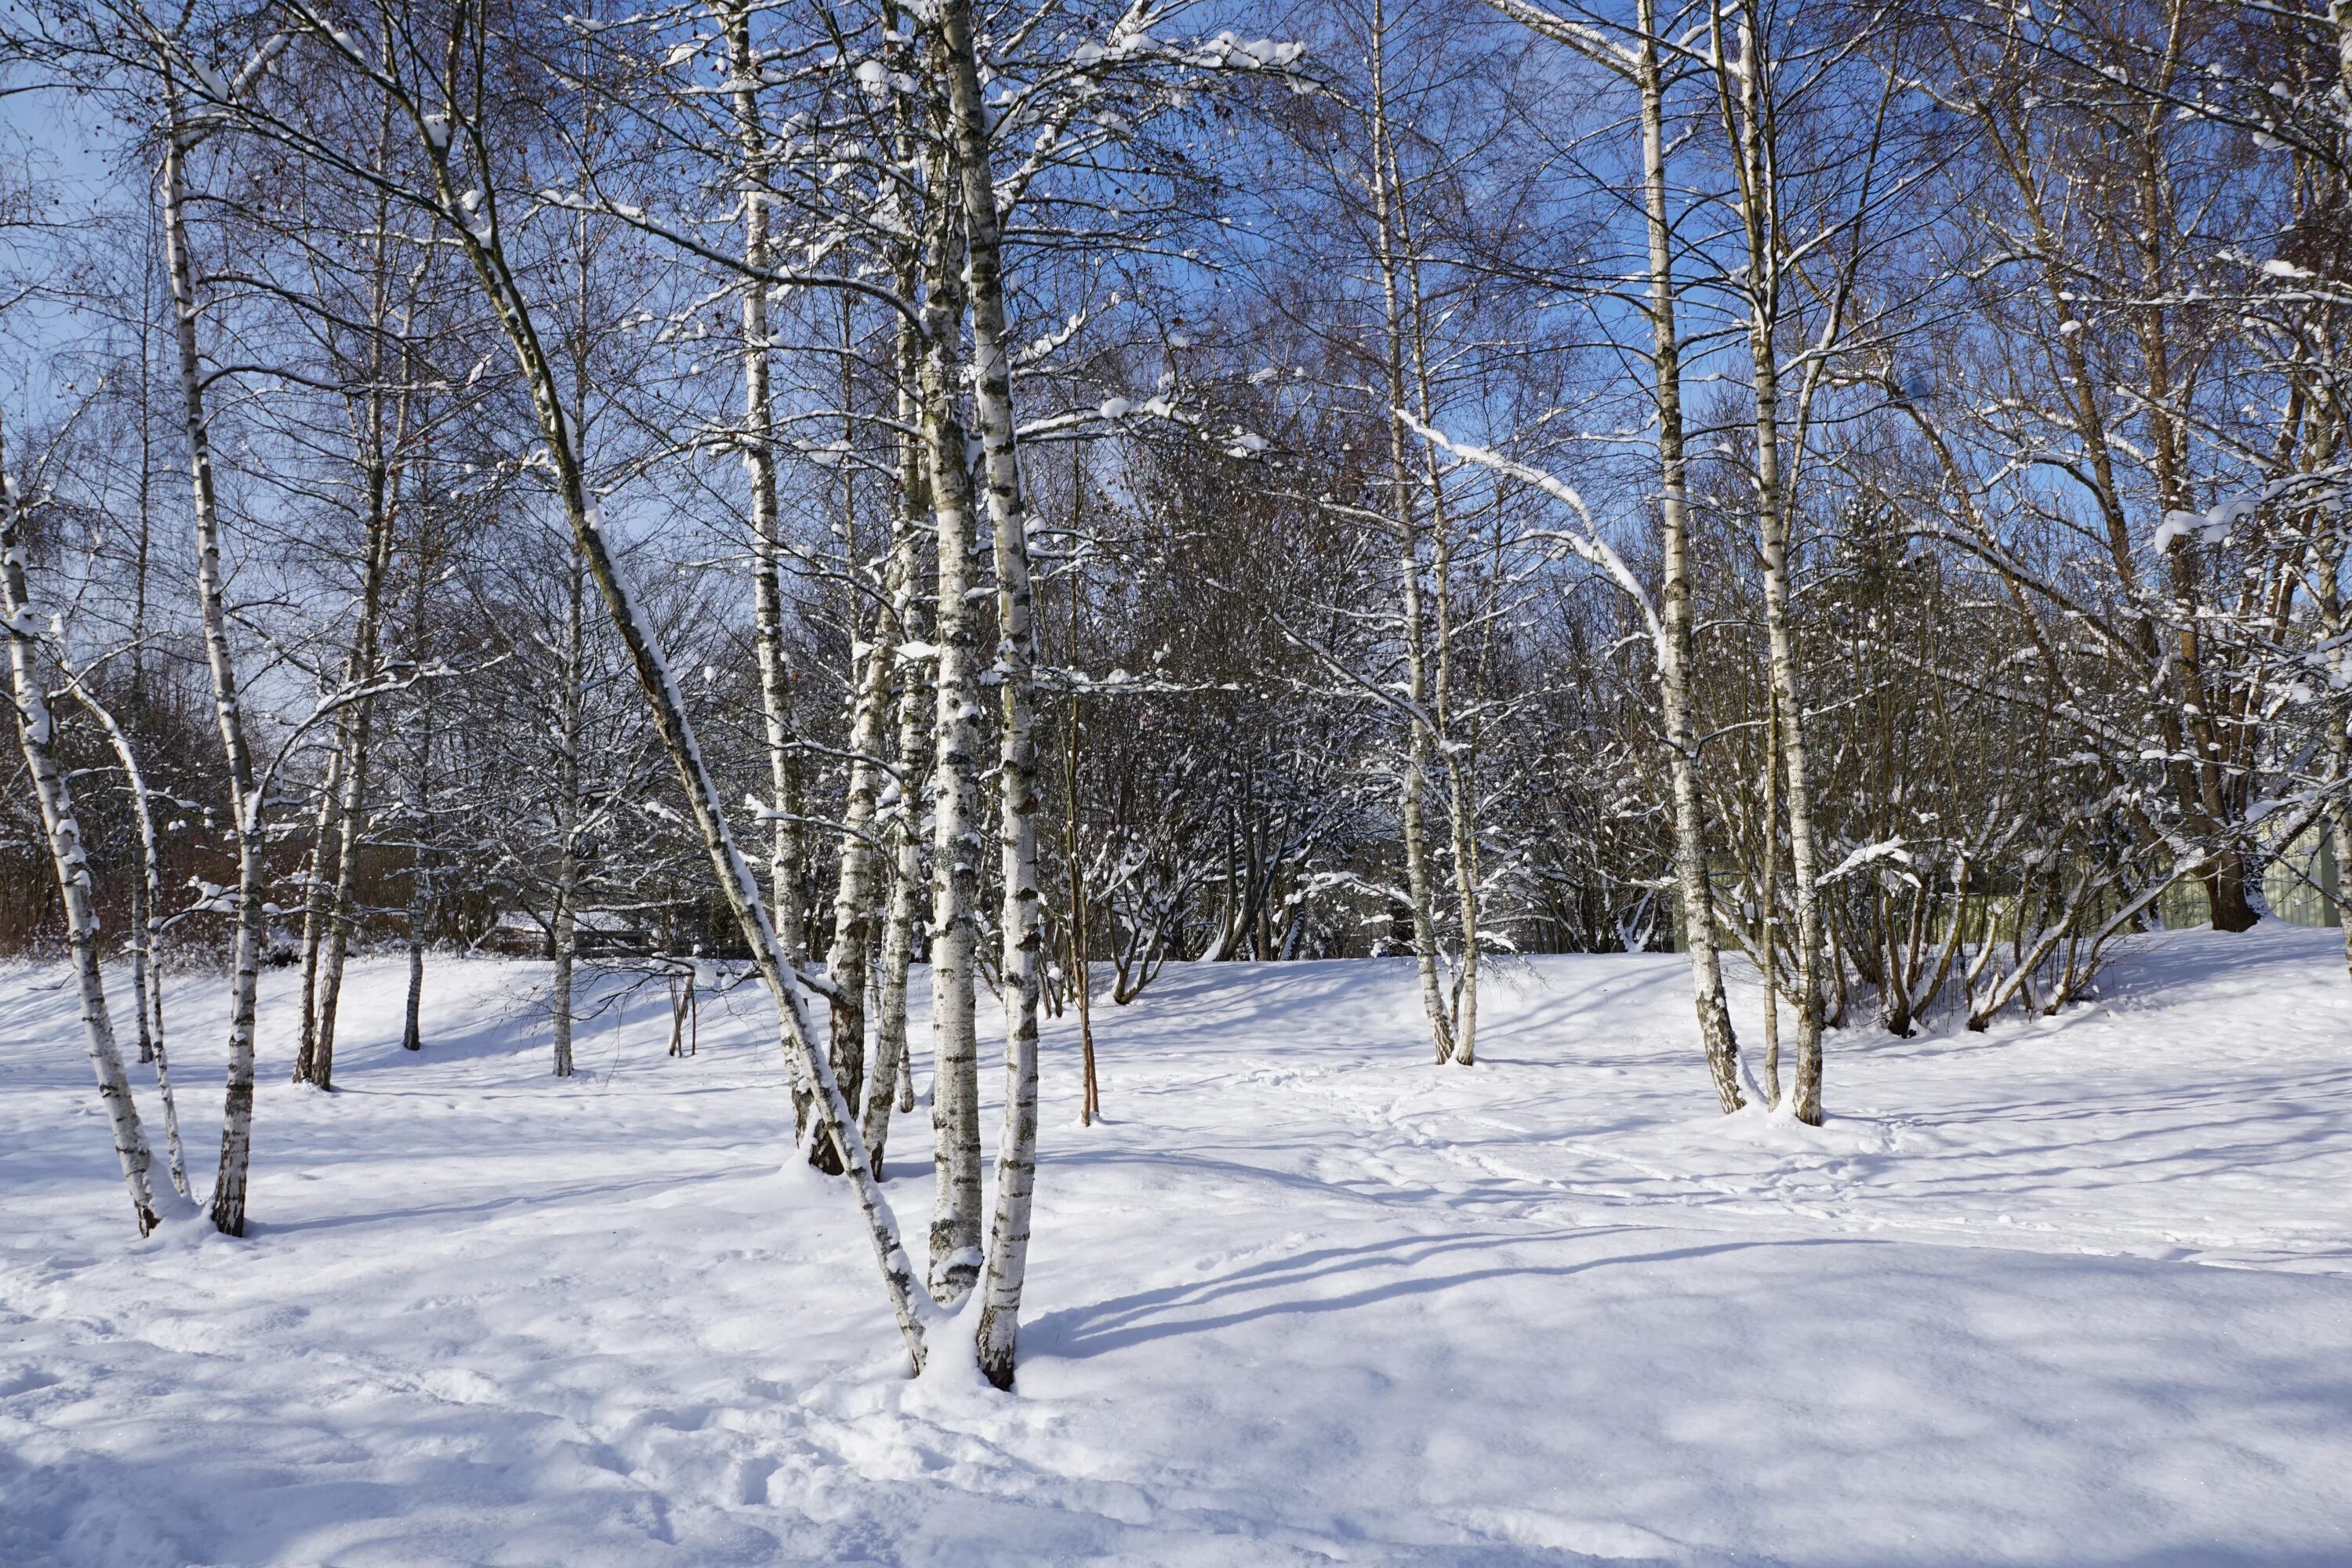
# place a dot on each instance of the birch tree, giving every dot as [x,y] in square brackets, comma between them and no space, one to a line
[443,97]
[36,731]
[1014,673]
[247,800]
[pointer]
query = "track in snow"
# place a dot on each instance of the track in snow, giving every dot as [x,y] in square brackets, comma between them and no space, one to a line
[1304,1300]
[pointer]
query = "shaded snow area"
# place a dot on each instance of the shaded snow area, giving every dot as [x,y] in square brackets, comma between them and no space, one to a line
[2075,1291]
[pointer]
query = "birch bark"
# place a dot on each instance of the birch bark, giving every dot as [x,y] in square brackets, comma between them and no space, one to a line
[907,887]
[247,804]
[412,1030]
[1023,932]
[767,531]
[350,799]
[564,932]
[894,818]
[36,731]
[854,898]
[1747,103]
[1716,1037]
[1412,617]
[955,841]
[147,921]
[314,907]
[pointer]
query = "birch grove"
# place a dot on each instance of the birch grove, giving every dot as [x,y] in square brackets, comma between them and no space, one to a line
[929,516]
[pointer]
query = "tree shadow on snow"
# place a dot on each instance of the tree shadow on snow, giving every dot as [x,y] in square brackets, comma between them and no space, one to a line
[1080,1332]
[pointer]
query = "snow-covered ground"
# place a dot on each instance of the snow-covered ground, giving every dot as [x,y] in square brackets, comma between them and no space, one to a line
[2077,1291]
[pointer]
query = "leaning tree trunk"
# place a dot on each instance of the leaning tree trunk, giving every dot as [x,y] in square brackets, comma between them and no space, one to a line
[476,231]
[1716,1037]
[36,732]
[1023,929]
[246,802]
[147,931]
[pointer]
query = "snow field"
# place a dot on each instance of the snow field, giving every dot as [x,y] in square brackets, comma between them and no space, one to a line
[2074,1292]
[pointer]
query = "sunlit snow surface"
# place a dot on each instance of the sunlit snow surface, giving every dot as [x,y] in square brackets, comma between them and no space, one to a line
[2077,1291]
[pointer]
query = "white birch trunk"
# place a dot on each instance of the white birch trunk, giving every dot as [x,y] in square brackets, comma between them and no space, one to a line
[246,798]
[36,731]
[1759,216]
[314,911]
[1023,931]
[1716,1037]
[564,935]
[1413,786]
[907,887]
[896,826]
[767,534]
[351,801]
[1459,754]
[854,889]
[146,940]
[956,1256]
[412,1030]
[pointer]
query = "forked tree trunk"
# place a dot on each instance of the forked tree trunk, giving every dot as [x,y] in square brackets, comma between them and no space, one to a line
[62,828]
[326,928]
[1015,672]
